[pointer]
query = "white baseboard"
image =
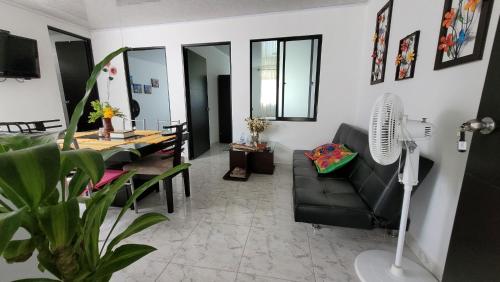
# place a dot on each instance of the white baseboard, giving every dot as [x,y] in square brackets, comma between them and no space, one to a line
[431,265]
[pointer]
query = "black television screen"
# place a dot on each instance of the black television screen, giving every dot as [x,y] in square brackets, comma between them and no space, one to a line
[18,57]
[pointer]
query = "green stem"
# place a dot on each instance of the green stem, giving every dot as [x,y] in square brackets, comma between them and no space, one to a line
[63,188]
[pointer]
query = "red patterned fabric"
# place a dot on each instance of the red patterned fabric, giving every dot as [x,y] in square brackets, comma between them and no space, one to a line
[334,159]
[322,150]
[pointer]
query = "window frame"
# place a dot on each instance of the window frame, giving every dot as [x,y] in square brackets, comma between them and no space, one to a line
[313,37]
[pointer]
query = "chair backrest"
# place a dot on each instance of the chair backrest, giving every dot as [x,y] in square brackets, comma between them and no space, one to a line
[176,144]
[160,122]
[30,126]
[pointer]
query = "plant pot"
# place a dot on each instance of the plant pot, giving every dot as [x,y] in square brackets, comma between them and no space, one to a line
[107,127]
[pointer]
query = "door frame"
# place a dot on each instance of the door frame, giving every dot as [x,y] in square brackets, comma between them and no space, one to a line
[90,62]
[127,75]
[184,48]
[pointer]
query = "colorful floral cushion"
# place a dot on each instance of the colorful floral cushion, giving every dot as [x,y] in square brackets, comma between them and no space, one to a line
[335,159]
[322,150]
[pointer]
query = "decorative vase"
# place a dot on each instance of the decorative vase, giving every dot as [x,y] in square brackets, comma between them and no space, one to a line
[107,127]
[255,138]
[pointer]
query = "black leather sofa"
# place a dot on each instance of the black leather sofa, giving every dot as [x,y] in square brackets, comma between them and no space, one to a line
[362,194]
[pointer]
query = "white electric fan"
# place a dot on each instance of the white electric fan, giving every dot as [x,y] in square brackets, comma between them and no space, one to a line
[390,131]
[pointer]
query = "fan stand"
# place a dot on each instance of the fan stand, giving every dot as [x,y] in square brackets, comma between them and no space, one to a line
[380,266]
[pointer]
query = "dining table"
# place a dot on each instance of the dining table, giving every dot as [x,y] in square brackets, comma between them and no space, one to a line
[146,142]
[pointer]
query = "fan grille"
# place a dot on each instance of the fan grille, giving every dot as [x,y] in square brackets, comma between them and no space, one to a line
[384,131]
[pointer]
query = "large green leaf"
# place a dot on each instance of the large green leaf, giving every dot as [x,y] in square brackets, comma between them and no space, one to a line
[22,141]
[29,175]
[77,113]
[122,257]
[60,222]
[138,192]
[9,223]
[89,161]
[19,250]
[139,224]
[94,215]
[78,183]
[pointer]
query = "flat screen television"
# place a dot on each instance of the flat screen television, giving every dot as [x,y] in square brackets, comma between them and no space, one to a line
[18,57]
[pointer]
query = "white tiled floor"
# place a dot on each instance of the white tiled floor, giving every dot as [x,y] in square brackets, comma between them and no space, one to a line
[231,231]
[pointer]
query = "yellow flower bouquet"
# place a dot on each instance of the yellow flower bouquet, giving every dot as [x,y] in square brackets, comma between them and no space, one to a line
[103,110]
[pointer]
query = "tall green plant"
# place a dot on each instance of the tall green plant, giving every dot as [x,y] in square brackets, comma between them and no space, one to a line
[36,197]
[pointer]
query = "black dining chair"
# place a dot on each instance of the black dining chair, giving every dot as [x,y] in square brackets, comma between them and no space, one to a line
[161,161]
[30,127]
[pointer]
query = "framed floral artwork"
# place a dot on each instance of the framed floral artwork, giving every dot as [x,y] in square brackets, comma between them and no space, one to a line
[380,43]
[463,32]
[407,56]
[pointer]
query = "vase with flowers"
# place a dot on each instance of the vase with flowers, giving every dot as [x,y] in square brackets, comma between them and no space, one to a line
[256,127]
[105,112]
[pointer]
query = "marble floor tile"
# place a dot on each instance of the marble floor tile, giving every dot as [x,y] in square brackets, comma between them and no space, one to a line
[244,277]
[270,213]
[240,231]
[238,211]
[335,249]
[213,245]
[183,273]
[144,270]
[281,252]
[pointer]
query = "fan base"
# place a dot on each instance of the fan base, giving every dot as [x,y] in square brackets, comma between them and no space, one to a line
[377,266]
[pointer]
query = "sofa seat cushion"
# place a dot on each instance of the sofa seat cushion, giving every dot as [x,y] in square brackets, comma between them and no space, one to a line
[329,201]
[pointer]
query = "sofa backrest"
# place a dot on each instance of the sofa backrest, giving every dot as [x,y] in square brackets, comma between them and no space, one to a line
[377,185]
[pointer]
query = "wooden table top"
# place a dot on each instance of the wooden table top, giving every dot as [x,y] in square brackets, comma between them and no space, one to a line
[89,140]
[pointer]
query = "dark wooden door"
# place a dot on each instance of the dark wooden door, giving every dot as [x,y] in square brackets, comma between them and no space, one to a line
[474,251]
[197,103]
[225,114]
[74,58]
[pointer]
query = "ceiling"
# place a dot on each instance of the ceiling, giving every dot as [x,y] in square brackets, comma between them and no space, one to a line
[70,10]
[97,14]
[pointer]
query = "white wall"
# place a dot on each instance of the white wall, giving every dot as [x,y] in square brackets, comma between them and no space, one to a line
[32,100]
[218,63]
[447,97]
[35,99]
[144,65]
[340,65]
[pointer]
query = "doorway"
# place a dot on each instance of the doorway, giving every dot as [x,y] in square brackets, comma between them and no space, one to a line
[207,74]
[74,63]
[147,83]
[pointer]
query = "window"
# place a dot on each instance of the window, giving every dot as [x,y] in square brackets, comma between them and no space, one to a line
[285,77]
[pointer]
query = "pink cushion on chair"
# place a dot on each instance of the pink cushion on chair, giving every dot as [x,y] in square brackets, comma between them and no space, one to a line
[109,176]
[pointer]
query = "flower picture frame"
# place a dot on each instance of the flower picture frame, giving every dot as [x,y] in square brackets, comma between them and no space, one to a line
[380,43]
[407,56]
[464,26]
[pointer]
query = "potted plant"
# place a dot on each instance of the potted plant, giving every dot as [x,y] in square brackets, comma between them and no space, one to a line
[36,197]
[105,112]
[256,127]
